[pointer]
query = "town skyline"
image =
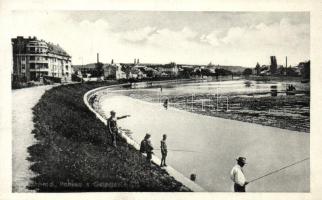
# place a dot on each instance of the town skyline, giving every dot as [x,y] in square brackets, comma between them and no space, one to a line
[225,38]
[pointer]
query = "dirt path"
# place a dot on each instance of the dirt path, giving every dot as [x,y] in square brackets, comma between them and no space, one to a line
[23,100]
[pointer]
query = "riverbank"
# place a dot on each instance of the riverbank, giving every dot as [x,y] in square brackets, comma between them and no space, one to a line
[286,112]
[210,145]
[281,111]
[73,151]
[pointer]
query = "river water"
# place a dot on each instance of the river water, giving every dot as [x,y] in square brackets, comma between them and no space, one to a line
[217,142]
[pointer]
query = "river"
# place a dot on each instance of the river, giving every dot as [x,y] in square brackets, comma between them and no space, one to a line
[216,143]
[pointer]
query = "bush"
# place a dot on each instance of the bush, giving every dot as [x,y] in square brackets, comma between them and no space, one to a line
[52,79]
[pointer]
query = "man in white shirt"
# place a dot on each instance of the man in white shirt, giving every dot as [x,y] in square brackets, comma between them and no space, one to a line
[238,177]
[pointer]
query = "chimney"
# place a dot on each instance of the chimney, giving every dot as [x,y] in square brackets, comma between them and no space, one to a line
[134,60]
[286,62]
[98,57]
[138,61]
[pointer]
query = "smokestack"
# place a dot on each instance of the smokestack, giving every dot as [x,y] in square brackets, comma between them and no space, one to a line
[134,60]
[98,57]
[138,61]
[286,62]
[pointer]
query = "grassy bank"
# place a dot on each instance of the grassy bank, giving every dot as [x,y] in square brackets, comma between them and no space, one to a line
[73,152]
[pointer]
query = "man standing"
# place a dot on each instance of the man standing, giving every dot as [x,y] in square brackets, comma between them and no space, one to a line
[238,177]
[148,147]
[112,126]
[166,103]
[164,150]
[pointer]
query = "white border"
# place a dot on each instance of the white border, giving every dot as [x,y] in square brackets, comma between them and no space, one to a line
[313,6]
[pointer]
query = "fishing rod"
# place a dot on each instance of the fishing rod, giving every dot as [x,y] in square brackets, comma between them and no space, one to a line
[275,171]
[183,150]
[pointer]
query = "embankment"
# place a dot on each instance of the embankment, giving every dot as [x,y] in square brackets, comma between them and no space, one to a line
[73,151]
[92,100]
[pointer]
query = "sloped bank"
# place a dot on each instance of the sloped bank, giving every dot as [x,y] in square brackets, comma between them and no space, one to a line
[73,151]
[91,99]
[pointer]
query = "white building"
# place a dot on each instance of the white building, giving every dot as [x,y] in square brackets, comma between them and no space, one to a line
[33,59]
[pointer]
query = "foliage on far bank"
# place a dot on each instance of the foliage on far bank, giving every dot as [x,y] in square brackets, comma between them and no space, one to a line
[73,152]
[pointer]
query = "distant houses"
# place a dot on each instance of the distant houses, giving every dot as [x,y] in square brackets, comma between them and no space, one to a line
[113,71]
[37,61]
[302,69]
[139,70]
[109,71]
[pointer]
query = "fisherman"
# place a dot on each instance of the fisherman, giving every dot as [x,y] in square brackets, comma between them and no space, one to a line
[148,147]
[164,150]
[237,175]
[112,126]
[143,143]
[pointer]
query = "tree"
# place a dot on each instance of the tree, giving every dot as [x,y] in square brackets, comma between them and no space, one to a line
[222,72]
[258,69]
[186,72]
[291,71]
[305,70]
[99,71]
[206,72]
[247,72]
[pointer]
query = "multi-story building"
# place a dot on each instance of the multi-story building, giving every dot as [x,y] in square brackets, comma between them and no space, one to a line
[33,58]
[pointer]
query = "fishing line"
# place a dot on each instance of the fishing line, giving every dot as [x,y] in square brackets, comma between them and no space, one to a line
[183,150]
[273,172]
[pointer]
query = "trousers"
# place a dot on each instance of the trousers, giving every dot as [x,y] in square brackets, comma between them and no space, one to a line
[238,188]
[113,137]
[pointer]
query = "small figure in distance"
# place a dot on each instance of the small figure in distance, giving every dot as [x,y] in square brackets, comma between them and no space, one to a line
[166,103]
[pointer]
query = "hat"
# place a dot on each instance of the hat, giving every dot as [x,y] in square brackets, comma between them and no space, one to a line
[112,112]
[241,159]
[147,135]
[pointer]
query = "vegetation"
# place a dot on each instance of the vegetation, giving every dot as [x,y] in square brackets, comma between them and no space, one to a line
[73,152]
[305,70]
[247,72]
[98,70]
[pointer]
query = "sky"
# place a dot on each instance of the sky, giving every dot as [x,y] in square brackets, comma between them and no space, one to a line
[225,38]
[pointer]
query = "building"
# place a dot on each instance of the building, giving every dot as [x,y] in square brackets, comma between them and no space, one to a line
[114,71]
[136,73]
[34,58]
[273,66]
[119,74]
[84,69]
[170,69]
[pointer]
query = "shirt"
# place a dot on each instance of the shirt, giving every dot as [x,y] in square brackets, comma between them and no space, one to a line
[149,147]
[112,125]
[163,146]
[237,175]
